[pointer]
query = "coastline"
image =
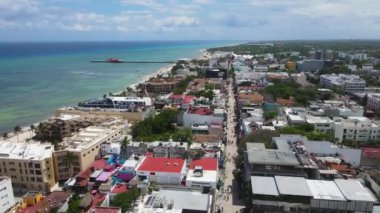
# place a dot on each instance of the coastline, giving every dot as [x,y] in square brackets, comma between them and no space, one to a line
[25,129]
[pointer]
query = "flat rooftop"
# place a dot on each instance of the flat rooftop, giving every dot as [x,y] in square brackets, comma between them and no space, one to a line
[208,176]
[264,186]
[354,190]
[88,137]
[272,157]
[292,186]
[182,199]
[325,190]
[26,151]
[172,165]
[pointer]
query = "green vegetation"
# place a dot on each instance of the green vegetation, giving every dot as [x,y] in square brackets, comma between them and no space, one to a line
[261,136]
[203,93]
[290,88]
[269,114]
[308,131]
[182,85]
[124,200]
[161,127]
[371,47]
[74,204]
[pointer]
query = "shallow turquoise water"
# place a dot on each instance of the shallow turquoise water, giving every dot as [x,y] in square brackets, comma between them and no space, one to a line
[37,78]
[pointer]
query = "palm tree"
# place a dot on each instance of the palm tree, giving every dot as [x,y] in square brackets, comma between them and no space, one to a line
[32,128]
[124,145]
[5,135]
[69,160]
[17,130]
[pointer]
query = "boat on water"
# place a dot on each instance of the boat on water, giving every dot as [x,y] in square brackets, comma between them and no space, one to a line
[114,60]
[109,60]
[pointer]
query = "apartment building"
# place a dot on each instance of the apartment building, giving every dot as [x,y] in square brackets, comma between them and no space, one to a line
[161,85]
[373,101]
[321,124]
[84,147]
[29,164]
[345,83]
[7,199]
[356,128]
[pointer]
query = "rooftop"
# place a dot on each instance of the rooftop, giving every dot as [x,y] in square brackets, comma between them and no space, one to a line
[372,152]
[191,200]
[264,185]
[318,120]
[293,186]
[26,151]
[88,137]
[100,209]
[208,176]
[206,163]
[172,165]
[272,157]
[354,190]
[201,111]
[325,190]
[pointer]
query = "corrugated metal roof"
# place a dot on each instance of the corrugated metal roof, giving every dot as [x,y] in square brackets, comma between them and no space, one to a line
[293,186]
[264,185]
[354,190]
[325,190]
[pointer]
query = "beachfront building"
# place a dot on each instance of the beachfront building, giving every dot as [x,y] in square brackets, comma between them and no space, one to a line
[342,82]
[85,147]
[203,115]
[7,199]
[116,102]
[162,170]
[161,85]
[359,129]
[29,164]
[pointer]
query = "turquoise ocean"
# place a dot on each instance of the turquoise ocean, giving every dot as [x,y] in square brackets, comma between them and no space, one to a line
[37,78]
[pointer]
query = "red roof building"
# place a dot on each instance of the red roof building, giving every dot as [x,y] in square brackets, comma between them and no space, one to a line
[206,163]
[100,209]
[370,157]
[162,170]
[201,111]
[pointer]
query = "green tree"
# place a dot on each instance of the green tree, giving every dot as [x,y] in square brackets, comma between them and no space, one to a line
[268,115]
[124,145]
[5,135]
[125,200]
[17,130]
[69,160]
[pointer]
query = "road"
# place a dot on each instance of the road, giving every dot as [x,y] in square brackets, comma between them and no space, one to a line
[233,203]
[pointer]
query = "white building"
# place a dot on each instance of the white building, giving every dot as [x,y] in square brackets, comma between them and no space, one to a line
[321,124]
[373,101]
[111,148]
[203,115]
[203,172]
[356,128]
[346,83]
[7,199]
[162,170]
[367,67]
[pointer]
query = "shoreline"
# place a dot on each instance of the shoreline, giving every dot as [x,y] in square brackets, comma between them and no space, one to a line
[204,54]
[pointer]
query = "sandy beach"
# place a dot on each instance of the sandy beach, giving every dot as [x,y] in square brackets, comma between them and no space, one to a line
[161,71]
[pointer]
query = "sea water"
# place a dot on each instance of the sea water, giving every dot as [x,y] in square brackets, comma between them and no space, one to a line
[37,78]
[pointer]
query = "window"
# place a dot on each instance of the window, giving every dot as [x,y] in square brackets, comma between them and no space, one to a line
[12,169]
[39,179]
[31,171]
[152,173]
[37,166]
[38,172]
[32,179]
[19,164]
[11,163]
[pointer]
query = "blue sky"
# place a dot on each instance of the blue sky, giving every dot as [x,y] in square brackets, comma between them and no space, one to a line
[60,20]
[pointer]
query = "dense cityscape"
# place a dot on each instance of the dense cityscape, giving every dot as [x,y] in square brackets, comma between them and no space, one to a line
[274,126]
